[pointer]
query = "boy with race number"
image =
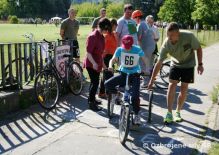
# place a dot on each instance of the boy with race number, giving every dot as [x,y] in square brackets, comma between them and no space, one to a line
[129,56]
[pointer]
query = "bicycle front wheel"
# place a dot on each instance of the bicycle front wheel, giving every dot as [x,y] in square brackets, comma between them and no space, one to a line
[75,78]
[46,88]
[110,106]
[150,100]
[124,122]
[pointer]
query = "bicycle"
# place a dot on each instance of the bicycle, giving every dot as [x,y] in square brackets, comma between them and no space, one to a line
[51,81]
[162,79]
[126,113]
[26,63]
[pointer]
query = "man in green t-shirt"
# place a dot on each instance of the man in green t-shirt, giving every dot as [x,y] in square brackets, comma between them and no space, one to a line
[96,20]
[69,31]
[180,46]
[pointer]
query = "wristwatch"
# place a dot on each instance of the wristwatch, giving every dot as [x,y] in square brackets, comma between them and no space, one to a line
[200,64]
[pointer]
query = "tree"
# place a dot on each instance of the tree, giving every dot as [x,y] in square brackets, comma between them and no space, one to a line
[177,10]
[4,12]
[115,10]
[33,9]
[206,12]
[148,7]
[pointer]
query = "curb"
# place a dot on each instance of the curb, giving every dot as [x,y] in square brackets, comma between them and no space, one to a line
[212,118]
[12,101]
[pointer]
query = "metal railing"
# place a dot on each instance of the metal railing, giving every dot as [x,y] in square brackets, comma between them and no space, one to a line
[19,64]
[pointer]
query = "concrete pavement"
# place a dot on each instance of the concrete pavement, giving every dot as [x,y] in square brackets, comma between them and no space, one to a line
[73,129]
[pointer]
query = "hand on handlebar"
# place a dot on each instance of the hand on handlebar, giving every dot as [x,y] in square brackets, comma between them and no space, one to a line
[110,69]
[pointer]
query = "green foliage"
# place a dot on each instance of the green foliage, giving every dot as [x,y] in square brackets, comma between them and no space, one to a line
[87,9]
[178,11]
[215,94]
[4,11]
[39,20]
[13,19]
[214,150]
[115,10]
[207,12]
[32,9]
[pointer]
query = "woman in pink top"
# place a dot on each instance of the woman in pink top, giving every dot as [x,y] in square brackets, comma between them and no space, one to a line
[94,62]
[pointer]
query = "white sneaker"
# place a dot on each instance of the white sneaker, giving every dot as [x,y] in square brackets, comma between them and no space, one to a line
[137,120]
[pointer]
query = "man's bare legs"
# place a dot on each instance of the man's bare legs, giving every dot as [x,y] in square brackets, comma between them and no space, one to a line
[182,96]
[171,94]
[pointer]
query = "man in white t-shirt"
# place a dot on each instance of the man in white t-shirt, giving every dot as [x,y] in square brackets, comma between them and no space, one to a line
[126,25]
[150,22]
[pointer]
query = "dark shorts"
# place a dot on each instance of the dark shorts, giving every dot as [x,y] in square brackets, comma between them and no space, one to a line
[185,75]
[74,49]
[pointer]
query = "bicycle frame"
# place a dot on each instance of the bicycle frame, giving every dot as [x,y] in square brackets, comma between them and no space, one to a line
[50,65]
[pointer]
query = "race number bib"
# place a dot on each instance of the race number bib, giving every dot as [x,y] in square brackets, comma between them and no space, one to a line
[129,60]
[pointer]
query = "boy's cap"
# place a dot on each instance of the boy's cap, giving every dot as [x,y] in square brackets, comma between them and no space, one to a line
[127,41]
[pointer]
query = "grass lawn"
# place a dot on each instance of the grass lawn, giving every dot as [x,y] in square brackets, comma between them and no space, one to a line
[214,150]
[12,33]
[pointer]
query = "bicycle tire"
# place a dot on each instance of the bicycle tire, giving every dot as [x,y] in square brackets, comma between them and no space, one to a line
[46,85]
[75,78]
[110,106]
[30,70]
[165,72]
[161,81]
[124,123]
[150,101]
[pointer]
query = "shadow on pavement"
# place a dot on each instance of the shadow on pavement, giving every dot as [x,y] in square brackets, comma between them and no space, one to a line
[34,122]
[151,138]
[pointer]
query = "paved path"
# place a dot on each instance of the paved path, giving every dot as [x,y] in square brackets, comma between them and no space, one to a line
[73,129]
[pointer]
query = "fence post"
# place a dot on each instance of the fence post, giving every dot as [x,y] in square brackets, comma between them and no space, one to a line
[30,63]
[10,64]
[16,63]
[36,58]
[2,65]
[20,66]
[25,62]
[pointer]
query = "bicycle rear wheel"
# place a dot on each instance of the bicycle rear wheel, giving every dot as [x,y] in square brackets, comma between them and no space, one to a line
[110,106]
[162,79]
[46,88]
[75,78]
[165,72]
[124,123]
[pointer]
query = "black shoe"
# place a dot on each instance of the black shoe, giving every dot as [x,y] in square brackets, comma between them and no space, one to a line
[97,102]
[95,108]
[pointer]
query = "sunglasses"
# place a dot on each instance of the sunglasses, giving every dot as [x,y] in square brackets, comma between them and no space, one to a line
[129,8]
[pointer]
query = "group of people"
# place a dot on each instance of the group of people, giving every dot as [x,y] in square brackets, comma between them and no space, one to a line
[131,41]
